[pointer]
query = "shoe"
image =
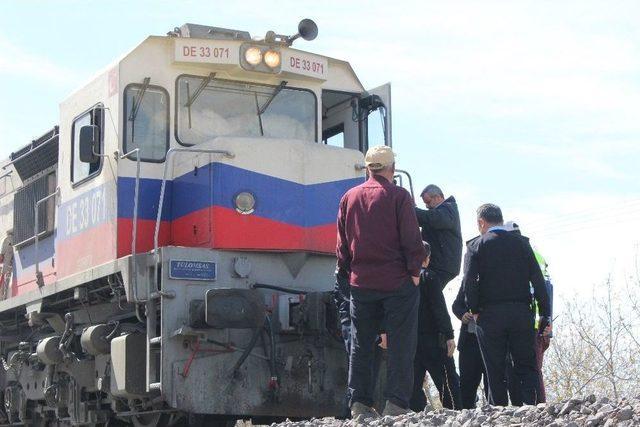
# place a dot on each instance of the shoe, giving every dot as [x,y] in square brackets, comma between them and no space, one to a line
[392,410]
[358,409]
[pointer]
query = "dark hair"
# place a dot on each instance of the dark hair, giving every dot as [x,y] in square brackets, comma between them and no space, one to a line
[432,190]
[427,248]
[490,213]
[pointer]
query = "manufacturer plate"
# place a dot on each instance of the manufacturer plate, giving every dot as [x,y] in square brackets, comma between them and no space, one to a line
[192,270]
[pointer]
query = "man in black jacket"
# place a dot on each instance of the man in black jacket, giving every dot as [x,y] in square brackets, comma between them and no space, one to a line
[440,225]
[435,347]
[498,270]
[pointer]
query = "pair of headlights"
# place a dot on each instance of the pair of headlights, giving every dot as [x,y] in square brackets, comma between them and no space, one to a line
[254,56]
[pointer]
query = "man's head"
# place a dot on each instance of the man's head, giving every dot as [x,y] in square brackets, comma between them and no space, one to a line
[381,160]
[432,196]
[427,249]
[489,215]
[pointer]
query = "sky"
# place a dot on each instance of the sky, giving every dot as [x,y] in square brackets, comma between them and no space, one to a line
[532,105]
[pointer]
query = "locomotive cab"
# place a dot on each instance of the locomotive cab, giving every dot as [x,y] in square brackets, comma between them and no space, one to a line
[177,234]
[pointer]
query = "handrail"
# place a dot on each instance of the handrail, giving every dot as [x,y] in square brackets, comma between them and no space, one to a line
[7,175]
[156,293]
[36,226]
[134,231]
[169,157]
[400,180]
[410,180]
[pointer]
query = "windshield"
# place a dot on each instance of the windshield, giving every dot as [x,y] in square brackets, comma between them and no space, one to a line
[208,108]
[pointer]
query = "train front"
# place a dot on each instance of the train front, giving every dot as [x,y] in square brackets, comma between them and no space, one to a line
[262,141]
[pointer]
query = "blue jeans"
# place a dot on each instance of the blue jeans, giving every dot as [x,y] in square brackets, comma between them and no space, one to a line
[398,310]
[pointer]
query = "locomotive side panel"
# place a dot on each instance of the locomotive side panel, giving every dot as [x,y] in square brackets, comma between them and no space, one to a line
[86,218]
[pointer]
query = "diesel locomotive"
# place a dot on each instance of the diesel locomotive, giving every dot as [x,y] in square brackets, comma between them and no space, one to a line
[169,245]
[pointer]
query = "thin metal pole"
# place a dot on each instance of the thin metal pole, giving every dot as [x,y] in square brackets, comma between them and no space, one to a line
[36,226]
[134,231]
[156,292]
[164,183]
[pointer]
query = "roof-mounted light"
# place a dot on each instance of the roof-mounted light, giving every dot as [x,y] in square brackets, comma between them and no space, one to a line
[253,56]
[260,57]
[272,58]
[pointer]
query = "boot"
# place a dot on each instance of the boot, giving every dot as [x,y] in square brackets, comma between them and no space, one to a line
[391,409]
[361,409]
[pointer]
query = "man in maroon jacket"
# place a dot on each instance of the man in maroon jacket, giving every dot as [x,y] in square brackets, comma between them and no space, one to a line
[381,251]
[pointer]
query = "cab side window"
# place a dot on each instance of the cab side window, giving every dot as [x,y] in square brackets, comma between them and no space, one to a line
[81,171]
[339,128]
[146,116]
[334,136]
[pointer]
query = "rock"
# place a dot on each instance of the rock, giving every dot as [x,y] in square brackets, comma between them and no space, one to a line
[605,409]
[592,421]
[624,414]
[590,411]
[567,408]
[522,411]
[603,400]
[585,410]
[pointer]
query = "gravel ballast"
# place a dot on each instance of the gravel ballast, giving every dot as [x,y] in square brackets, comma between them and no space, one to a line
[590,411]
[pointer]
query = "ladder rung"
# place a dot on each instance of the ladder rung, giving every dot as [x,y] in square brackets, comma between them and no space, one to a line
[154,386]
[156,341]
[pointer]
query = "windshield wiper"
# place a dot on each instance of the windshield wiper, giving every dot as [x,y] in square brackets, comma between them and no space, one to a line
[136,106]
[255,94]
[196,94]
[138,102]
[276,91]
[198,91]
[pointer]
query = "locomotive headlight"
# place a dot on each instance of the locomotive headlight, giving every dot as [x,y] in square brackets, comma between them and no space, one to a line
[245,203]
[253,55]
[272,58]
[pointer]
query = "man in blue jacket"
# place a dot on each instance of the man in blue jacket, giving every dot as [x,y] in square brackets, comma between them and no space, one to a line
[499,270]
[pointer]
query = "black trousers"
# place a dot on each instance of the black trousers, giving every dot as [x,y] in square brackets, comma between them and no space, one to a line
[471,369]
[432,358]
[508,329]
[399,312]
